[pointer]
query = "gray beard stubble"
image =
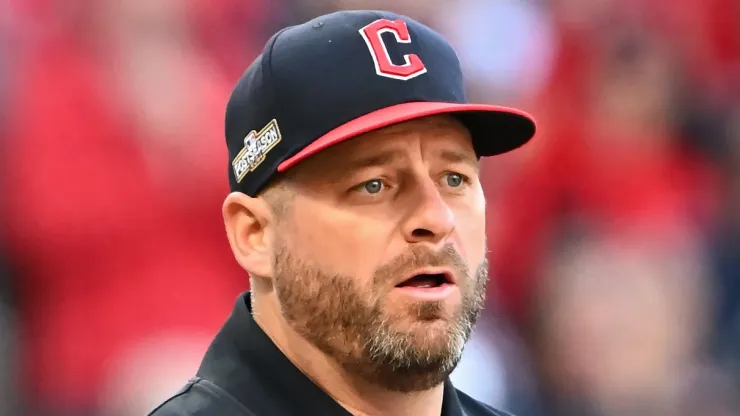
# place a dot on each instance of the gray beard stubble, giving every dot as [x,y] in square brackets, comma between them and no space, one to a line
[345,320]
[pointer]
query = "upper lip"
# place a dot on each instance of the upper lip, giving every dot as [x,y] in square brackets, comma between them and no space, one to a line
[449,274]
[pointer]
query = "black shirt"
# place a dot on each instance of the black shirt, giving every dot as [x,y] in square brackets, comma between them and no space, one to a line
[244,374]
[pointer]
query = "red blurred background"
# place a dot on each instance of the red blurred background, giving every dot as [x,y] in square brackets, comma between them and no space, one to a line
[614,236]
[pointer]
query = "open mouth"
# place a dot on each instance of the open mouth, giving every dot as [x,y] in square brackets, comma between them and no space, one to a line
[426,281]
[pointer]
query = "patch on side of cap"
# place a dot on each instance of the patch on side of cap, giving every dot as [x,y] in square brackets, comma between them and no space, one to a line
[256,146]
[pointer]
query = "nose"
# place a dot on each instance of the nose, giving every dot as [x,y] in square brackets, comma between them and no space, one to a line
[430,219]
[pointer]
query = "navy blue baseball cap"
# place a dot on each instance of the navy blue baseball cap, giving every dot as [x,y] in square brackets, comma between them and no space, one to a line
[347,73]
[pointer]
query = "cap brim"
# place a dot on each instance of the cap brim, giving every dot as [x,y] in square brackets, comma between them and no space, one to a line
[494,129]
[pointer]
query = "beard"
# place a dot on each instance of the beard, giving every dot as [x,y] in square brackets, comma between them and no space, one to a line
[414,349]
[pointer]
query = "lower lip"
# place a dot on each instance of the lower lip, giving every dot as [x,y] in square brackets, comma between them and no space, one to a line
[437,293]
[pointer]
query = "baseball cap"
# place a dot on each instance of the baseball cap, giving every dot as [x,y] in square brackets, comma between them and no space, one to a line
[337,76]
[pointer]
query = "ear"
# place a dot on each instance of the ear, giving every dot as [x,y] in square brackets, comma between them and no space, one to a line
[247,220]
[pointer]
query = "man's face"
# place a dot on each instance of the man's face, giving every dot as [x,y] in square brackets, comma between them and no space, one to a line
[368,215]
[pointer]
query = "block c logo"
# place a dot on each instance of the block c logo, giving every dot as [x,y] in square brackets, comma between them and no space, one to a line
[413,66]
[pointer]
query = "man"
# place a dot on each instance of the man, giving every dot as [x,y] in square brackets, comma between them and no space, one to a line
[366,256]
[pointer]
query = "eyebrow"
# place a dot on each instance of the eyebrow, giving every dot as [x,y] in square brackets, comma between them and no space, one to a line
[456,156]
[389,156]
[379,159]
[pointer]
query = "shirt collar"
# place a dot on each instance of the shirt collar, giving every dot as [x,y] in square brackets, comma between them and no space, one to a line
[245,362]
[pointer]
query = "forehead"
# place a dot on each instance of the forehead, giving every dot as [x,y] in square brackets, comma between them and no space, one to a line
[438,132]
[443,129]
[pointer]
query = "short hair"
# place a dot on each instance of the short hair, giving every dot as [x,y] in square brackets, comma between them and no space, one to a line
[278,196]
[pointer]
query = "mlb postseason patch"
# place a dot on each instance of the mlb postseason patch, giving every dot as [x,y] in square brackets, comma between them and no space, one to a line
[256,146]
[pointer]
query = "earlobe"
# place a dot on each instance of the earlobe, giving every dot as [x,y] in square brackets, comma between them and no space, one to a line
[247,221]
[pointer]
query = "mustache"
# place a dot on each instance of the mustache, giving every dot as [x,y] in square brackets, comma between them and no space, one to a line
[420,256]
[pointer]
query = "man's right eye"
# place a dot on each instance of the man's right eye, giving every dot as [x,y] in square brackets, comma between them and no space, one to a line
[373,186]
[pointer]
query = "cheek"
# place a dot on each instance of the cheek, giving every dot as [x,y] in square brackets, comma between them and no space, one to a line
[333,241]
[471,229]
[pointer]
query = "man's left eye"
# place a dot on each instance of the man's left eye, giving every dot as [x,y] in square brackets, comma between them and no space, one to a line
[454,180]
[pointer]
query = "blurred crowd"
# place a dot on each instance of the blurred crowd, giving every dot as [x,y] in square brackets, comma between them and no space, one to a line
[614,236]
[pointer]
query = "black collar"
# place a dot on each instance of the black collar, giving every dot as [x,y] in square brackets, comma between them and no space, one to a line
[244,362]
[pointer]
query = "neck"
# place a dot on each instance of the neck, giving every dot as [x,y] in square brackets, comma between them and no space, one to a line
[351,392]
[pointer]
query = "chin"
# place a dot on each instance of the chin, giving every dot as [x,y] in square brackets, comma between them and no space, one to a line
[427,334]
[425,310]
